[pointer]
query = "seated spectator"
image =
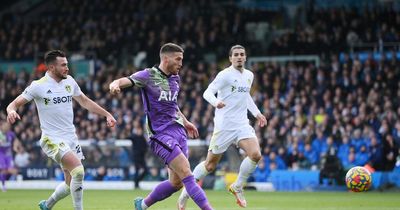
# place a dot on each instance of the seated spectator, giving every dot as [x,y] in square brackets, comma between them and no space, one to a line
[375,153]
[344,149]
[261,173]
[350,162]
[362,156]
[21,158]
[311,156]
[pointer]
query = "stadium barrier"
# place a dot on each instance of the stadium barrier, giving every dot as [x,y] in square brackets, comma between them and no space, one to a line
[303,180]
[280,180]
[110,185]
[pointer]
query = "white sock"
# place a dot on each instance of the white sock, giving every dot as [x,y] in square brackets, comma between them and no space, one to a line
[61,191]
[77,175]
[246,168]
[199,173]
[144,206]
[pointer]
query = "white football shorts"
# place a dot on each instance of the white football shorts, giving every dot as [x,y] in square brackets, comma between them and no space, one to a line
[221,140]
[56,148]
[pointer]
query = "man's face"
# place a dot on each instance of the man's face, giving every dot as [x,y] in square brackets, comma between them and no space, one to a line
[60,68]
[174,62]
[238,58]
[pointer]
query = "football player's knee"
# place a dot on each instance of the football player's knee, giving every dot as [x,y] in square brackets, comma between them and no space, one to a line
[256,156]
[78,173]
[176,183]
[210,166]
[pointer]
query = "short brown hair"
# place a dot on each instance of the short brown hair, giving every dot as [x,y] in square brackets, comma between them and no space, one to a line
[235,47]
[171,47]
[51,56]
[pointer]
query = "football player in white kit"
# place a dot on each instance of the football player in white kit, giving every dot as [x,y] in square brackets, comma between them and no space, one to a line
[231,125]
[53,96]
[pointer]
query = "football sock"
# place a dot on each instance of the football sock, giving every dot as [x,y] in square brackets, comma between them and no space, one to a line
[162,191]
[196,193]
[77,175]
[246,168]
[200,171]
[61,191]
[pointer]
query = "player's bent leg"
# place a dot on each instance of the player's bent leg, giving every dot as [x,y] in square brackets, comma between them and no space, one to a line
[247,167]
[249,164]
[199,172]
[76,187]
[61,191]
[73,164]
[161,192]
[180,165]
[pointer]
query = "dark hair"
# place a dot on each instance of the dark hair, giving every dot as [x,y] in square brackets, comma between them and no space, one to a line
[235,47]
[170,47]
[51,56]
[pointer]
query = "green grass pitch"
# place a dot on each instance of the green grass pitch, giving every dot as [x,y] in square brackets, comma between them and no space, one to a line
[221,200]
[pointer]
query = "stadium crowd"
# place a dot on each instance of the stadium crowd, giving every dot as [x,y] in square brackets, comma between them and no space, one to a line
[349,106]
[335,30]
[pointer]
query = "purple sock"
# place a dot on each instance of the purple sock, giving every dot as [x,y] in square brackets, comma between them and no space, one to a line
[196,193]
[162,191]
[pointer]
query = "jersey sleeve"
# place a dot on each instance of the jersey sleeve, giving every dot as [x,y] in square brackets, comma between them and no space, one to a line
[30,92]
[140,78]
[252,107]
[217,84]
[77,90]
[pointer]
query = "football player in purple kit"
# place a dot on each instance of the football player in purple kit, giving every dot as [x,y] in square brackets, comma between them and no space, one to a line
[6,159]
[166,126]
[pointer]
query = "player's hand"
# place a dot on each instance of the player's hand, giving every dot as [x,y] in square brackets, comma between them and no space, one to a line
[111,121]
[12,117]
[220,104]
[261,120]
[192,130]
[114,88]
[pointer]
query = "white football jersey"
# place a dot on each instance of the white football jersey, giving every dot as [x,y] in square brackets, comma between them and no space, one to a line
[233,88]
[54,104]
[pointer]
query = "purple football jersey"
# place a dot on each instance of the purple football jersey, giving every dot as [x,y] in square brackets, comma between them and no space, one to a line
[6,142]
[159,94]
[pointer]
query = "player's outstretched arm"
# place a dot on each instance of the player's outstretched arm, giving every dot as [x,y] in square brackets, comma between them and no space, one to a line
[116,85]
[12,108]
[90,105]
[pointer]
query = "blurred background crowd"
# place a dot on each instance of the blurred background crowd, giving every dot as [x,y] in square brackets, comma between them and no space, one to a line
[347,106]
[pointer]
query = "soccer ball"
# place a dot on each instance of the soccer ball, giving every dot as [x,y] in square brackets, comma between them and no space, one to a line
[358,179]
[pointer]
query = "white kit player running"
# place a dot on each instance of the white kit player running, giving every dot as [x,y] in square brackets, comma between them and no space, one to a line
[53,96]
[231,124]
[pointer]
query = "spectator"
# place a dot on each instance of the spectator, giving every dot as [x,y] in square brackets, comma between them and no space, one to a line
[261,173]
[21,158]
